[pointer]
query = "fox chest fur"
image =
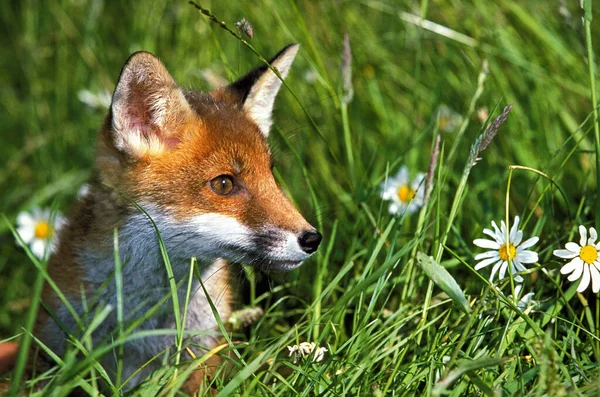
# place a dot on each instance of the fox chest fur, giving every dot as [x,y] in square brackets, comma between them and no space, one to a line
[191,171]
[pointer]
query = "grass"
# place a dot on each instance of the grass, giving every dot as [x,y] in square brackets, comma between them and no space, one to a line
[389,329]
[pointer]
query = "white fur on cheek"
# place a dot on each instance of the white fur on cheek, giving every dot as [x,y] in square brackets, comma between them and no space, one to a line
[219,231]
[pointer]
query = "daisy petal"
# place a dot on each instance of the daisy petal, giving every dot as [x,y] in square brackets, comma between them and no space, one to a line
[498,233]
[576,275]
[24,219]
[483,243]
[502,270]
[514,229]
[565,254]
[485,263]
[417,183]
[527,298]
[518,279]
[583,234]
[38,213]
[487,254]
[495,269]
[38,247]
[571,266]
[503,229]
[585,280]
[595,279]
[528,256]
[518,289]
[387,194]
[593,236]
[518,265]
[573,247]
[27,233]
[59,222]
[402,176]
[529,243]
[490,233]
[518,238]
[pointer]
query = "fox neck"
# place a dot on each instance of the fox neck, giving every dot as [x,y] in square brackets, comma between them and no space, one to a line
[144,271]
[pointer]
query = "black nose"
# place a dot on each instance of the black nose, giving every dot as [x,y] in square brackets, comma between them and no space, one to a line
[309,241]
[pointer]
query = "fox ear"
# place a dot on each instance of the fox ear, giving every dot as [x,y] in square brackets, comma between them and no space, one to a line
[146,107]
[257,90]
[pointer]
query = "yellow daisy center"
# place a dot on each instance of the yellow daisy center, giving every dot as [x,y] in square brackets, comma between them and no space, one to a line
[444,122]
[588,254]
[507,253]
[405,193]
[42,230]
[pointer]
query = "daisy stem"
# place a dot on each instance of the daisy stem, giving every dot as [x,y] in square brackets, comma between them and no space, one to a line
[590,321]
[508,242]
[506,207]
[587,20]
[597,323]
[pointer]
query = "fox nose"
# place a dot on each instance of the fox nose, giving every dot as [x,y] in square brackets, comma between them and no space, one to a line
[309,241]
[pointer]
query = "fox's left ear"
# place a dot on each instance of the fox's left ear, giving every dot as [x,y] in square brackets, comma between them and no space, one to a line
[147,107]
[256,91]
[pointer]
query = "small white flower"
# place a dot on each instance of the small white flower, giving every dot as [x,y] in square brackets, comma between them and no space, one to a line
[504,254]
[310,76]
[585,263]
[37,230]
[294,353]
[448,119]
[319,354]
[84,190]
[99,100]
[214,79]
[404,194]
[525,301]
[482,114]
[305,349]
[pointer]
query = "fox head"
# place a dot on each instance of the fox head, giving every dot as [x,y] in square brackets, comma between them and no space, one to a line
[200,165]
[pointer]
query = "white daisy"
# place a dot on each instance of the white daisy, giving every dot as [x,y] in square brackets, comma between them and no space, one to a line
[503,253]
[585,264]
[214,79]
[310,76]
[99,100]
[448,119]
[404,194]
[526,300]
[38,230]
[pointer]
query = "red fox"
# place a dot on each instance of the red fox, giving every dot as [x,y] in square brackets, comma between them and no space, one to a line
[200,166]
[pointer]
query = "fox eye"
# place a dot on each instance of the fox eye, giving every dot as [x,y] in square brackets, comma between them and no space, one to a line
[222,185]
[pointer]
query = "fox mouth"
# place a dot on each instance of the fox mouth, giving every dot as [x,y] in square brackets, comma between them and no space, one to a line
[264,262]
[270,264]
[278,265]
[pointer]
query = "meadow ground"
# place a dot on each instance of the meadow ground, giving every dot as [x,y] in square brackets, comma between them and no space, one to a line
[376,295]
